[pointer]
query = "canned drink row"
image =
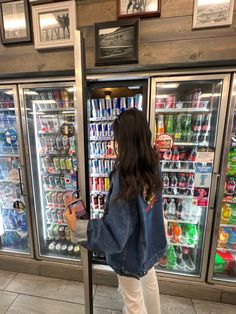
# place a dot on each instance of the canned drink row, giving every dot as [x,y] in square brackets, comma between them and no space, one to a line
[58,163]
[56,199]
[101,166]
[99,184]
[7,119]
[6,102]
[104,129]
[111,107]
[64,248]
[101,148]
[98,202]
[58,232]
[55,215]
[52,182]
[53,99]
[57,144]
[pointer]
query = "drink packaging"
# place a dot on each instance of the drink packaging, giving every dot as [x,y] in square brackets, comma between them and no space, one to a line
[139,101]
[102,107]
[109,107]
[160,125]
[130,102]
[94,107]
[116,107]
[170,101]
[123,104]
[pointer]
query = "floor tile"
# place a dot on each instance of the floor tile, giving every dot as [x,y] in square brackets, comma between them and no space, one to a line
[98,310]
[25,304]
[173,305]
[207,307]
[6,299]
[51,288]
[108,297]
[5,278]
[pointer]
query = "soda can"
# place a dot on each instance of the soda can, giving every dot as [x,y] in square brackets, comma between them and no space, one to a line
[69,165]
[107,166]
[139,101]
[130,102]
[45,163]
[101,184]
[53,143]
[98,148]
[49,199]
[67,234]
[60,198]
[62,163]
[64,249]
[65,143]
[92,148]
[122,104]
[159,103]
[116,106]
[107,184]
[45,182]
[74,162]
[59,143]
[60,215]
[170,101]
[54,198]
[103,148]
[100,201]
[93,166]
[104,129]
[50,232]
[57,181]
[42,145]
[94,107]
[52,247]
[95,184]
[54,215]
[49,215]
[102,107]
[62,182]
[62,234]
[91,183]
[109,107]
[51,182]
[56,163]
[58,248]
[94,201]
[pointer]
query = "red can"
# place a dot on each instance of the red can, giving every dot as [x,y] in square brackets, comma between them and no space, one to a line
[100,202]
[196,98]
[170,101]
[94,201]
[101,184]
[95,184]
[159,104]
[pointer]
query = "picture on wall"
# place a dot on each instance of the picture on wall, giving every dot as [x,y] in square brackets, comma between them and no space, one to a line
[117,42]
[212,13]
[139,8]
[54,24]
[14,21]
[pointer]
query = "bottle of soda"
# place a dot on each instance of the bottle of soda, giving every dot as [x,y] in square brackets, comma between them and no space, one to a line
[169,124]
[171,257]
[190,184]
[182,184]
[167,154]
[179,210]
[193,155]
[197,125]
[171,209]
[166,183]
[206,123]
[170,231]
[182,154]
[187,128]
[175,156]
[178,129]
[165,207]
[196,98]
[225,214]
[177,232]
[160,124]
[173,181]
[230,186]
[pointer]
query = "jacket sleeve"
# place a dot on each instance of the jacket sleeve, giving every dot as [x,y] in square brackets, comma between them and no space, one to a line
[111,233]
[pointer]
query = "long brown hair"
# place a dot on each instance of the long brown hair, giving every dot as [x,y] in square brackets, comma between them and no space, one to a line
[137,161]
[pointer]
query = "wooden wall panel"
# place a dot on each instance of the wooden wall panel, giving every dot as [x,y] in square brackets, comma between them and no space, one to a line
[172,8]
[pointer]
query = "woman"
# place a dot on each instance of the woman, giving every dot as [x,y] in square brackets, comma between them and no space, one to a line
[132,232]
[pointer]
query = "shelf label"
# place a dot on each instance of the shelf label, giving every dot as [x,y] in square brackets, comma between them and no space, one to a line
[202,182]
[205,157]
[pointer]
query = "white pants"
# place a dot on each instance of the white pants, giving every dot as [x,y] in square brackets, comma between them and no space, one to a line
[140,296]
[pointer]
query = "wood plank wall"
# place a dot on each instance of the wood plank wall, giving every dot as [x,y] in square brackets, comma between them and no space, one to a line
[166,40]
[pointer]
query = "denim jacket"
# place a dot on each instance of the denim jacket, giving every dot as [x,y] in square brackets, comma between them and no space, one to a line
[132,235]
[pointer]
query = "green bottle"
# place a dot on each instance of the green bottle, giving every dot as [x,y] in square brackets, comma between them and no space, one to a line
[192,234]
[171,257]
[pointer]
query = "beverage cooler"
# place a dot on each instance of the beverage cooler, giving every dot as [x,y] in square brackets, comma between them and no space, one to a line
[223,252]
[106,100]
[15,232]
[51,131]
[187,117]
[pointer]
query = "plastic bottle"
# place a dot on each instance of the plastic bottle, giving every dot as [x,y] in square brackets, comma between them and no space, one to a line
[190,184]
[173,181]
[230,186]
[178,129]
[175,156]
[232,239]
[182,184]
[171,209]
[179,210]
[192,234]
[223,237]
[226,212]
[177,233]
[232,220]
[193,154]
[169,124]
[160,125]
[166,183]
[165,207]
[171,257]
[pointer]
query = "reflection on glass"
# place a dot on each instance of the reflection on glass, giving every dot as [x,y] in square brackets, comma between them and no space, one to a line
[14,19]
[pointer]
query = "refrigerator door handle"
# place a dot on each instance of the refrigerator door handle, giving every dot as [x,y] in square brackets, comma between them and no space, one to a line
[21,181]
[214,186]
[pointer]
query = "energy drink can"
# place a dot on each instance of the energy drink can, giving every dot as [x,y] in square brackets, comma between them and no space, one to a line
[49,215]
[45,182]
[107,184]
[62,163]
[94,166]
[116,106]
[94,107]
[51,182]
[130,102]
[122,104]
[62,234]
[62,182]
[50,233]
[98,148]
[65,143]
[74,162]
[139,101]
[54,198]
[54,215]
[42,145]
[94,201]
[49,198]
[102,107]
[67,234]
[53,143]
[107,166]
[56,163]
[60,216]
[60,198]
[69,165]
[95,184]
[57,181]
[109,107]
[101,168]
[93,148]
[101,184]
[100,202]
[45,163]
[59,143]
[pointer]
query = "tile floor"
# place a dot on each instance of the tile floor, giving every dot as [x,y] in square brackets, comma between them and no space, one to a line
[27,294]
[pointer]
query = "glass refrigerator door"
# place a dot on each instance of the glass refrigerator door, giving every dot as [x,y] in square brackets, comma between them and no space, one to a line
[52,145]
[107,101]
[14,233]
[186,119]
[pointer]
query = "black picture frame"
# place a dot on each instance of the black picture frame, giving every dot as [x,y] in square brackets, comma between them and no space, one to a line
[106,53]
[11,39]
[138,9]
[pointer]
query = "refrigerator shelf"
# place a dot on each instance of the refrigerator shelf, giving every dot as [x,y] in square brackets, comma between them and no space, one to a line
[183,221]
[102,157]
[55,154]
[56,109]
[7,109]
[6,155]
[180,110]
[57,172]
[103,138]
[189,197]
[182,170]
[99,175]
[9,181]
[56,223]
[191,144]
[226,250]
[227,226]
[49,133]
[98,192]
[182,245]
[98,119]
[57,190]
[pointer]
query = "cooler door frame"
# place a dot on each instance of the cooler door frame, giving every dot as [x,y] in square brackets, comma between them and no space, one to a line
[67,82]
[177,77]
[23,174]
[220,190]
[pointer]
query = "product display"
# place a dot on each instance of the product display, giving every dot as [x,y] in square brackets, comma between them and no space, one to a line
[52,138]
[14,234]
[185,118]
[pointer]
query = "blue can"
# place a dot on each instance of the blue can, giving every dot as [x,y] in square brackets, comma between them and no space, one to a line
[130,102]
[139,101]
[116,106]
[122,104]
[108,107]
[95,109]
[102,107]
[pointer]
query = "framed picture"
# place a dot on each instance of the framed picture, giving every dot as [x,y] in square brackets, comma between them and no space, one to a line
[117,42]
[14,21]
[54,24]
[212,13]
[138,8]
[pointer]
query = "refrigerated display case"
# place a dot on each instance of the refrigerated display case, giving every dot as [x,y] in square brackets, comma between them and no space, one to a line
[187,117]
[51,132]
[14,210]
[106,100]
[223,252]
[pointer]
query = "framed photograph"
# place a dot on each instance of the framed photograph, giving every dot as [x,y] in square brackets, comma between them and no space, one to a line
[117,42]
[54,24]
[212,13]
[138,8]
[14,21]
